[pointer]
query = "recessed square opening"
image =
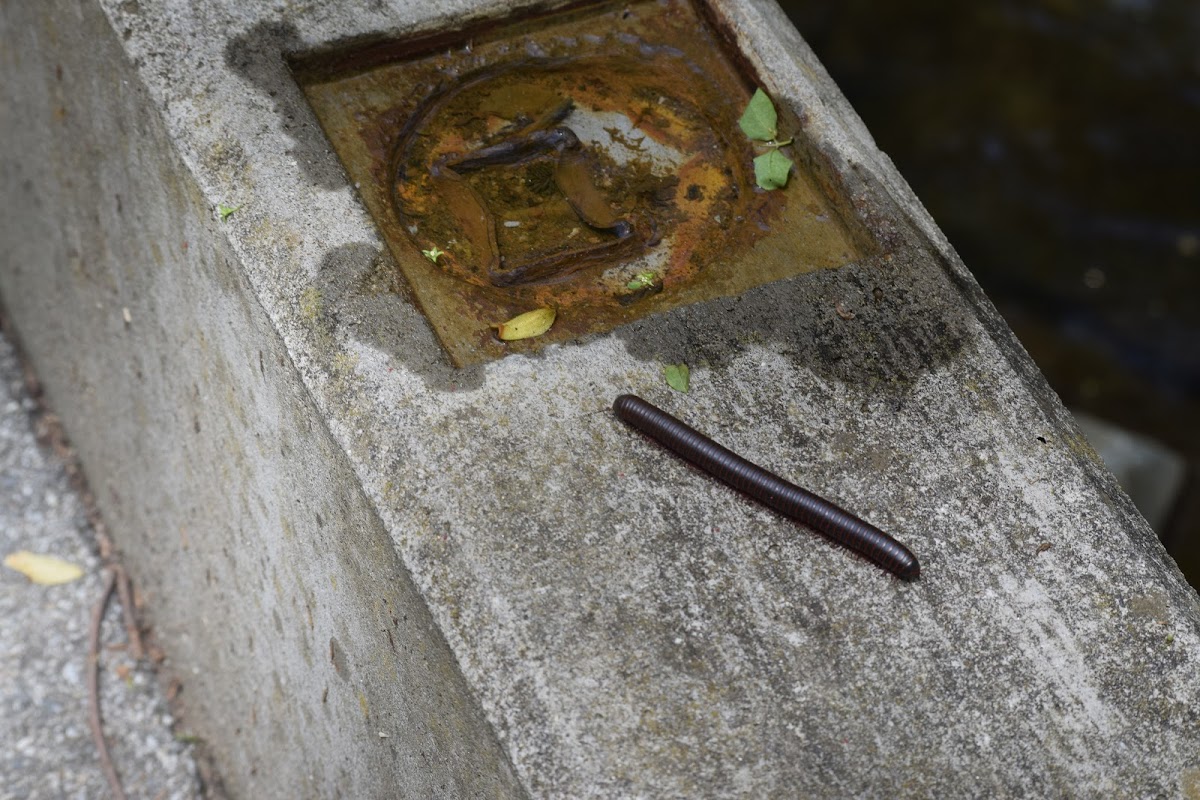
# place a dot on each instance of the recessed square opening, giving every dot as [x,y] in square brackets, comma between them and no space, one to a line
[588,160]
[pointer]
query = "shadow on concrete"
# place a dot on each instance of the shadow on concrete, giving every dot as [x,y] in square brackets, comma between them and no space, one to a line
[260,56]
[363,293]
[866,324]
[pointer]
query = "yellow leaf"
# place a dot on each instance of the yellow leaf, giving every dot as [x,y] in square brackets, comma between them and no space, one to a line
[46,570]
[527,325]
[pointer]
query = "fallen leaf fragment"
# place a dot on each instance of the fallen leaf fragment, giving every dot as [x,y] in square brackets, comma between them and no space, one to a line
[643,280]
[224,211]
[771,170]
[527,325]
[759,119]
[44,570]
[678,376]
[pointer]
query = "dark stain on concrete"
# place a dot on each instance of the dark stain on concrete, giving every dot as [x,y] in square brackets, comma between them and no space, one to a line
[363,293]
[878,325]
[260,56]
[872,324]
[337,657]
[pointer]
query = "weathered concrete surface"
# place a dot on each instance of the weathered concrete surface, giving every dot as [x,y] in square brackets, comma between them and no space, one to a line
[348,538]
[310,664]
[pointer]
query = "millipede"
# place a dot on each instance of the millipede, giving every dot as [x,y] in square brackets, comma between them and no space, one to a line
[817,513]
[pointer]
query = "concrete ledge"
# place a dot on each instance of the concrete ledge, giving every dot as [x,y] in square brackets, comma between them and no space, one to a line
[379,575]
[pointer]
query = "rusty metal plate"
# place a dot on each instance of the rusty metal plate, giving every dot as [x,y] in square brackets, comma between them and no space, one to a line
[588,160]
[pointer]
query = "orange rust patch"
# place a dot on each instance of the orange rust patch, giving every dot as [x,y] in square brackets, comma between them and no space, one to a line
[553,160]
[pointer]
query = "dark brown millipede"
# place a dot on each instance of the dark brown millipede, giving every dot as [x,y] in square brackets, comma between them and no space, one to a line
[769,489]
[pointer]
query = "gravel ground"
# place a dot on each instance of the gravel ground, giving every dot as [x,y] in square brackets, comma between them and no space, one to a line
[46,750]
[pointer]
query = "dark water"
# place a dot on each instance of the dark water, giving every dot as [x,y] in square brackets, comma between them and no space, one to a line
[1057,143]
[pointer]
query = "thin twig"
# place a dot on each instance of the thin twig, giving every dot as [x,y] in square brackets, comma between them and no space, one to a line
[95,721]
[125,592]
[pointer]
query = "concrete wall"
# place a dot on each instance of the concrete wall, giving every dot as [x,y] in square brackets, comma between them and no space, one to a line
[382,576]
[299,637]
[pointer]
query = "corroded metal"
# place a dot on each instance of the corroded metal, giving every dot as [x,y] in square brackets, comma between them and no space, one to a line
[588,160]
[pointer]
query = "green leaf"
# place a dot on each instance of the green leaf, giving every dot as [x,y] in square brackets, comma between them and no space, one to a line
[677,376]
[433,254]
[771,170]
[643,280]
[225,211]
[759,119]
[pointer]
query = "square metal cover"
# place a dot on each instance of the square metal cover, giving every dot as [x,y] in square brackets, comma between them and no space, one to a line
[588,160]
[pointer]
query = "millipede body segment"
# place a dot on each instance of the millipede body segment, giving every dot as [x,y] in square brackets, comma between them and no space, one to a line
[773,491]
